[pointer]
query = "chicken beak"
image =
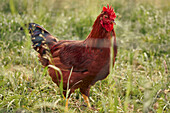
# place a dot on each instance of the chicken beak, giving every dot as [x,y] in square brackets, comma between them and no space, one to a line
[114,23]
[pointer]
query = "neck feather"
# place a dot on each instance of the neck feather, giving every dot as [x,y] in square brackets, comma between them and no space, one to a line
[99,37]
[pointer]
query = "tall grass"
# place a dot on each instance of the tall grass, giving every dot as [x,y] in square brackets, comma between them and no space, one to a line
[140,78]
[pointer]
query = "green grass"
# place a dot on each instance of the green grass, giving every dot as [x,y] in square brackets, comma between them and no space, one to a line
[140,78]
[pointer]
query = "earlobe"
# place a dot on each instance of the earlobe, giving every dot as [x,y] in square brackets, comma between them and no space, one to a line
[101,18]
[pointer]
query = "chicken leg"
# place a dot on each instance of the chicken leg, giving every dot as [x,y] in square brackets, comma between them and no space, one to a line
[86,99]
[66,105]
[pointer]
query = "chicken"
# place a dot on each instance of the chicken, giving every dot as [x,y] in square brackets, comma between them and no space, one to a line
[78,64]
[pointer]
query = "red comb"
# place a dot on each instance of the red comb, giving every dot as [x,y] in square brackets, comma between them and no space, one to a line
[110,11]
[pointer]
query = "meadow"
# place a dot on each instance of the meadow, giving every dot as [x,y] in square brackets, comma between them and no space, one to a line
[140,78]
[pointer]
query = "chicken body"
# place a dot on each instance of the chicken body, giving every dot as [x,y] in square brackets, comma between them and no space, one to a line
[89,65]
[82,63]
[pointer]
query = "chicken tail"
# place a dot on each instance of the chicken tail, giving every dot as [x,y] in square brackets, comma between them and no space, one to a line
[40,36]
[42,40]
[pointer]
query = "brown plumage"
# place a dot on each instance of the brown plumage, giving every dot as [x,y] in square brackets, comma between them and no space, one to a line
[89,60]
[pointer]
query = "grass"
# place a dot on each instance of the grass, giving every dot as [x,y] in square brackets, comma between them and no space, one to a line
[140,78]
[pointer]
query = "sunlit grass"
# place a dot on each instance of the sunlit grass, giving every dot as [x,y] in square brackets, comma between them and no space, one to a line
[140,78]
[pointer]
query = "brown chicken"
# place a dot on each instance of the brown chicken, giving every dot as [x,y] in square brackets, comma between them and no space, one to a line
[81,63]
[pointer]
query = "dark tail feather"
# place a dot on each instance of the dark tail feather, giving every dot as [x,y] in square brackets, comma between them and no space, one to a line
[41,38]
[39,35]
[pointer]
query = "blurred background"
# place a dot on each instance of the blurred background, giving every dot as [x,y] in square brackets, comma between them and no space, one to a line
[140,81]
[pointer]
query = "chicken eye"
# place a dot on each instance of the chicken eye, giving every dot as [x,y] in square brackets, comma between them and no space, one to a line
[106,16]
